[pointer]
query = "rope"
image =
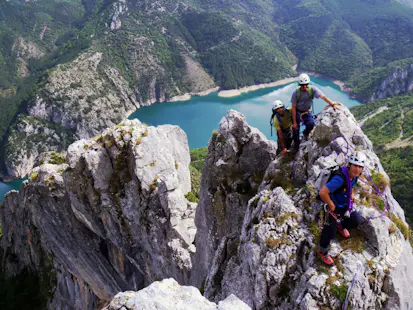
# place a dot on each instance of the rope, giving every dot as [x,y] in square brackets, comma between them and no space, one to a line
[377,191]
[345,305]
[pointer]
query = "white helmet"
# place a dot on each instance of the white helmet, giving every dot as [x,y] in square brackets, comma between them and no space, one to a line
[357,158]
[277,104]
[303,79]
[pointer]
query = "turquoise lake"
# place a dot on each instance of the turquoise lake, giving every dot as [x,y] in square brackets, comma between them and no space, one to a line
[199,116]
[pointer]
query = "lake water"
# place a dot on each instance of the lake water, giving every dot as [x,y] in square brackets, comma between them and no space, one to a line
[199,116]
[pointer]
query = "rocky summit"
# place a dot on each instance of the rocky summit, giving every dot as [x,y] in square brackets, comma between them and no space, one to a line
[110,215]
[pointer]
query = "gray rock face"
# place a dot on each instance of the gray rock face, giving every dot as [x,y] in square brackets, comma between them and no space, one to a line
[399,82]
[119,8]
[78,101]
[113,218]
[237,158]
[25,51]
[269,261]
[168,294]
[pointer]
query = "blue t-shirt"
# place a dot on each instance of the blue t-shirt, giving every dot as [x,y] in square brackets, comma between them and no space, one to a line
[339,197]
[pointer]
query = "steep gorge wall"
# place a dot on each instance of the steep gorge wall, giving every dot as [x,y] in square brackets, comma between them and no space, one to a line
[113,217]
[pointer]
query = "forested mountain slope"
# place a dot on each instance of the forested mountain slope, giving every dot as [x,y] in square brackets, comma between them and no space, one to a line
[78,67]
[389,125]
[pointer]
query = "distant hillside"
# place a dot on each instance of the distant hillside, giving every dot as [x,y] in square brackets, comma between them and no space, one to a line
[390,128]
[142,52]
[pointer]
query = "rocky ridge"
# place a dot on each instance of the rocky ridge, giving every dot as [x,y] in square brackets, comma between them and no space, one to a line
[256,222]
[264,252]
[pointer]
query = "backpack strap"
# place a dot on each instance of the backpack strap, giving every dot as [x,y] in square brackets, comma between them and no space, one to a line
[344,171]
[272,120]
[310,93]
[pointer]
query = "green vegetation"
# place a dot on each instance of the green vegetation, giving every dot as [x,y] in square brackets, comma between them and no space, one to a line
[57,158]
[235,55]
[191,197]
[401,226]
[198,157]
[195,169]
[355,243]
[34,177]
[340,291]
[385,128]
[345,38]
[285,216]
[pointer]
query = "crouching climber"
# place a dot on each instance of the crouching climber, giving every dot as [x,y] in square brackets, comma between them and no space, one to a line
[282,121]
[338,195]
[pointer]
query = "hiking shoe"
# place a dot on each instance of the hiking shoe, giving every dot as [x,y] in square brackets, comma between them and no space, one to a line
[326,258]
[343,231]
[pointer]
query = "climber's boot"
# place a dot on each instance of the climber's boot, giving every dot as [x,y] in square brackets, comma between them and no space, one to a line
[343,231]
[326,258]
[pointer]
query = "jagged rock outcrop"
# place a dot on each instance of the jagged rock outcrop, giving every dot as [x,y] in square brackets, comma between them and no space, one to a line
[112,218]
[399,82]
[269,259]
[238,156]
[168,294]
[119,8]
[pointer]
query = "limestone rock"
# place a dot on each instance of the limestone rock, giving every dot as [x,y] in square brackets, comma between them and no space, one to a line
[238,156]
[168,294]
[113,215]
[399,81]
[269,261]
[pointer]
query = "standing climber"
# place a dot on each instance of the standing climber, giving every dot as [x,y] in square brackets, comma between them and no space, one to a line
[282,121]
[338,195]
[302,101]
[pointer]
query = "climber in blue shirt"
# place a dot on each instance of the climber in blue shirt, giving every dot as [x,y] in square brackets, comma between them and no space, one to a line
[338,195]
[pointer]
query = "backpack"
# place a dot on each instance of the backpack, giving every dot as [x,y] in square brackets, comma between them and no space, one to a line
[326,175]
[310,93]
[278,118]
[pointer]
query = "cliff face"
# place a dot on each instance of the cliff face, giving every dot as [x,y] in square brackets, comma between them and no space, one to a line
[110,215]
[114,217]
[399,82]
